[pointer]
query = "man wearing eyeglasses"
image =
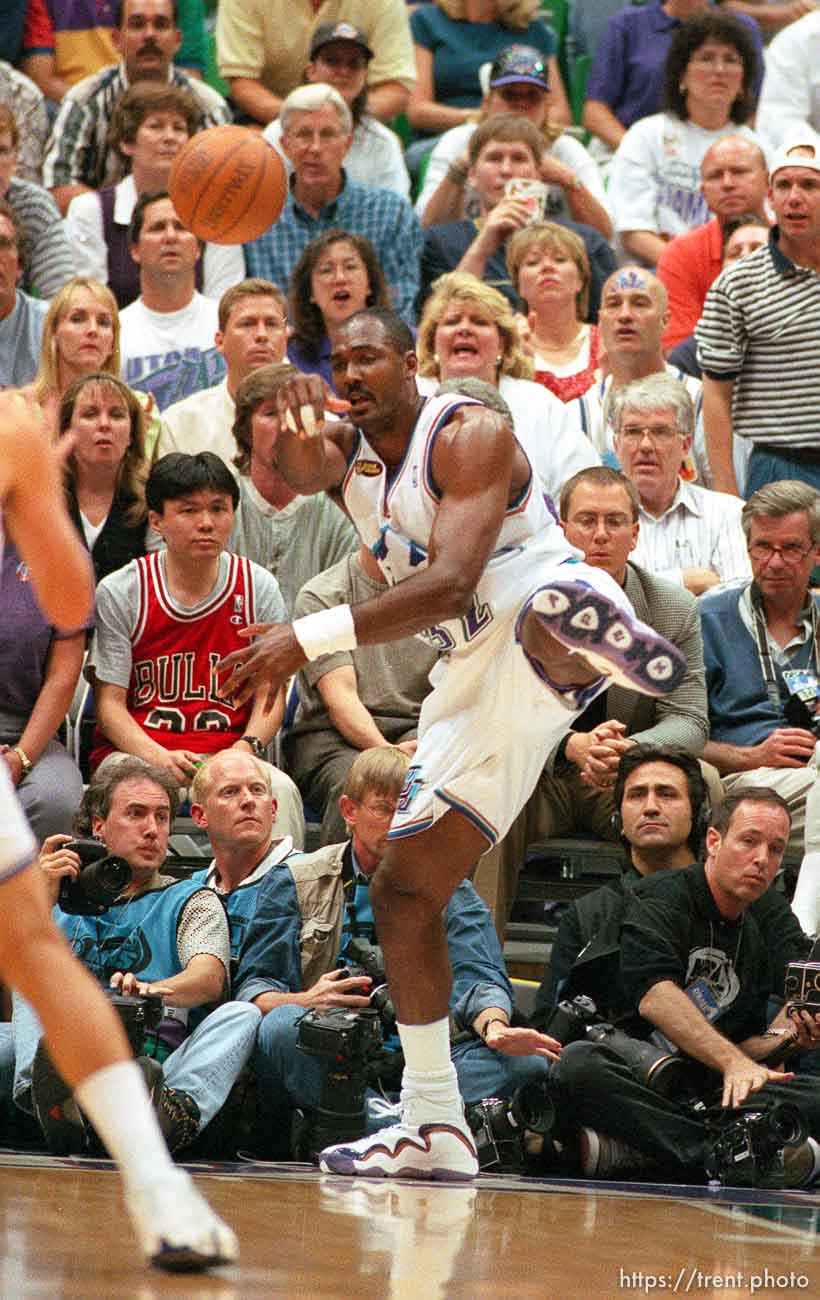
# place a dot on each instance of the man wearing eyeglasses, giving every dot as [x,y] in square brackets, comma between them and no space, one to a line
[317,130]
[689,534]
[761,641]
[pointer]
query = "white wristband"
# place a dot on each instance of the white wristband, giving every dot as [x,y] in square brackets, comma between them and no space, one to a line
[326,632]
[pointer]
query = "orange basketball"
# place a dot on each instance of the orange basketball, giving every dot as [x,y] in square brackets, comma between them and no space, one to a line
[228,184]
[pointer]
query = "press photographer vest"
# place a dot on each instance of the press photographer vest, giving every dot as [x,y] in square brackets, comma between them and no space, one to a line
[138,935]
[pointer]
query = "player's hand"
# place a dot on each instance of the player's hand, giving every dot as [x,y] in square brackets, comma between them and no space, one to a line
[131,986]
[336,989]
[785,747]
[272,658]
[407,747]
[512,1041]
[745,1076]
[301,404]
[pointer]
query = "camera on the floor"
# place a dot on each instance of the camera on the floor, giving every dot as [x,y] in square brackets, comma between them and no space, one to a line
[101,879]
[747,1145]
[499,1127]
[803,986]
[350,1041]
[139,1016]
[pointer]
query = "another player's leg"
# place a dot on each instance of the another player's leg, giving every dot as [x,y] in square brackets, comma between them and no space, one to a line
[176,1227]
[409,892]
[580,628]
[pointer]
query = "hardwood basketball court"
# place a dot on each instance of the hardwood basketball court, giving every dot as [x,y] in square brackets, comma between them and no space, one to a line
[326,1238]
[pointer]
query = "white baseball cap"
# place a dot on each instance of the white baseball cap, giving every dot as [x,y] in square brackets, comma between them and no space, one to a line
[799,152]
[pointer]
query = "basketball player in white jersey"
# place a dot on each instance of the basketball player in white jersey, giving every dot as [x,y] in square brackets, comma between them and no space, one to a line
[177,1229]
[528,634]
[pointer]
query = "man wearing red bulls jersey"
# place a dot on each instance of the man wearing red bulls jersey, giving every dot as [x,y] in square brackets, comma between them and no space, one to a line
[165,621]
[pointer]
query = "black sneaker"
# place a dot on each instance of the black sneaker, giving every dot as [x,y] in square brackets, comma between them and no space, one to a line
[178,1116]
[54,1107]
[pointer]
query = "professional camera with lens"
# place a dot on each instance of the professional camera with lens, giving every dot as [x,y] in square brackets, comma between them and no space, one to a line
[666,1072]
[747,1145]
[803,986]
[499,1127]
[101,879]
[350,1041]
[364,958]
[569,1021]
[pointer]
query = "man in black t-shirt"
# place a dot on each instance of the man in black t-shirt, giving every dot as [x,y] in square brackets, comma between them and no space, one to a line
[696,965]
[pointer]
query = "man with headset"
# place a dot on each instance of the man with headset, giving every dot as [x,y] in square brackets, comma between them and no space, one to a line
[661,814]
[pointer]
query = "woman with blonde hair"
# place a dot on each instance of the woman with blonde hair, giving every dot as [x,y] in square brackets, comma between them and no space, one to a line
[468,331]
[106,468]
[549,268]
[452,40]
[81,336]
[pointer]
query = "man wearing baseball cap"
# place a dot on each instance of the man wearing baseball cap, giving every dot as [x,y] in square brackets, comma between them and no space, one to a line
[329,33]
[516,82]
[340,56]
[262,47]
[759,338]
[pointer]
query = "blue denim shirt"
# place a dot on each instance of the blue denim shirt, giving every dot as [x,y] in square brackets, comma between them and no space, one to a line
[270,959]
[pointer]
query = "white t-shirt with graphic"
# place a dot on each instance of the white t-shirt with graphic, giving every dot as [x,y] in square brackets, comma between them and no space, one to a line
[654,183]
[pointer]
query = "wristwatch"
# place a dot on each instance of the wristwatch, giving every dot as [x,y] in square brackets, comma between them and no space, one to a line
[25,762]
[256,746]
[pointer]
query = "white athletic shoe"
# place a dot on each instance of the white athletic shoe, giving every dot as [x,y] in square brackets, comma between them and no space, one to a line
[176,1227]
[609,638]
[438,1151]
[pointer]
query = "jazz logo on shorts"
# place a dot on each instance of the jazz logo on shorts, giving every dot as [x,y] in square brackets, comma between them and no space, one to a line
[413,783]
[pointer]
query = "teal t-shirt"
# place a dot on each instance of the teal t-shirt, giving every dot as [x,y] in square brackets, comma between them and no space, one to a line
[459,48]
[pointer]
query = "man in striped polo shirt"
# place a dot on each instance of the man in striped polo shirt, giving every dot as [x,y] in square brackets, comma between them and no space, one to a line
[759,339]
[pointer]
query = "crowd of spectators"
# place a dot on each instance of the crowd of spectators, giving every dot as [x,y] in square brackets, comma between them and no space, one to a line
[638,292]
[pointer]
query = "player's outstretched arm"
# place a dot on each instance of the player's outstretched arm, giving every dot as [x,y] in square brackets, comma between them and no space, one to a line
[311,458]
[34,513]
[473,465]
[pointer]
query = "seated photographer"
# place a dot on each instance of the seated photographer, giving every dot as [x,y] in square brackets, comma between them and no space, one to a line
[153,938]
[661,813]
[232,799]
[314,917]
[696,966]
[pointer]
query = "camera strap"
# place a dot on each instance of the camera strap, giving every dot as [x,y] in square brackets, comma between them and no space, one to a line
[767,665]
[350,889]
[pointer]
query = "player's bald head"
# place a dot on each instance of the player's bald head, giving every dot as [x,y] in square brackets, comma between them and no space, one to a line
[390,328]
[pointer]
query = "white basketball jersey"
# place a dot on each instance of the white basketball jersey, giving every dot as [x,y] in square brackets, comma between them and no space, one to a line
[395,518]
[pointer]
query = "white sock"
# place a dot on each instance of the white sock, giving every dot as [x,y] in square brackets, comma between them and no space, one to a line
[116,1101]
[429,1077]
[806,900]
[427,1047]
